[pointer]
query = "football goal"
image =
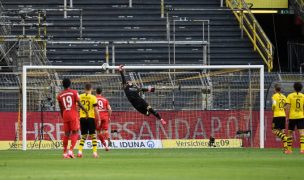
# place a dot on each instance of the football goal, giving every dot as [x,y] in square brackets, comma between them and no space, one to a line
[214,103]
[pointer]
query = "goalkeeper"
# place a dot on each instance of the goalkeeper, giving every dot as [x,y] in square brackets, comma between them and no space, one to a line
[133,94]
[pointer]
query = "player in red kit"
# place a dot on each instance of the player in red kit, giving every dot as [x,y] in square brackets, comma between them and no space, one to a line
[68,100]
[105,111]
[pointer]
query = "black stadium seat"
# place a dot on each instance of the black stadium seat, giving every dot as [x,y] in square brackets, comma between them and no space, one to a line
[113,20]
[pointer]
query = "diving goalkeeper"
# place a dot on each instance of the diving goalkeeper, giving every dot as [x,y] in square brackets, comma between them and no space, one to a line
[133,94]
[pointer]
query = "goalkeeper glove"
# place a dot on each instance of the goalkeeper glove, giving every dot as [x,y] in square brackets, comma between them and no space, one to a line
[151,89]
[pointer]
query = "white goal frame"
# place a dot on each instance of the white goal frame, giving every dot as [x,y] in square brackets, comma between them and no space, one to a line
[142,67]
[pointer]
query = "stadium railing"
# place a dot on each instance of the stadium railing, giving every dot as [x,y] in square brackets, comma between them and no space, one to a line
[254,31]
[7,49]
[295,56]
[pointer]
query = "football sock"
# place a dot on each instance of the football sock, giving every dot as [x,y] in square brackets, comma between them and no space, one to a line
[289,143]
[74,138]
[302,142]
[65,140]
[285,142]
[102,139]
[81,144]
[94,142]
[154,113]
[106,135]
[282,136]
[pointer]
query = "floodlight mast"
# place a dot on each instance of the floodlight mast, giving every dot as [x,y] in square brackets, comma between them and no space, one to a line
[142,67]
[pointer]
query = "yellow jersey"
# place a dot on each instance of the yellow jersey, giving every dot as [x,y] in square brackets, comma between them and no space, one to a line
[278,104]
[89,101]
[296,101]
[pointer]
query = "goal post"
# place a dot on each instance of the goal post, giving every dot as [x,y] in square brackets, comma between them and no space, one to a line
[104,67]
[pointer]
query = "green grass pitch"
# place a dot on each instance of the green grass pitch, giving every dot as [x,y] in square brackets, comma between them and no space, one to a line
[154,164]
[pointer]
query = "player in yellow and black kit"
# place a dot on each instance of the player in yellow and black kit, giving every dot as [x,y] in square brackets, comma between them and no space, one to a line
[87,120]
[279,115]
[295,101]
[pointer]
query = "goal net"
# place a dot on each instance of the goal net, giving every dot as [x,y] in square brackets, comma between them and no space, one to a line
[199,103]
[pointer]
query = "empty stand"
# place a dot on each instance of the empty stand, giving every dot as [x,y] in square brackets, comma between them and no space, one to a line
[114,20]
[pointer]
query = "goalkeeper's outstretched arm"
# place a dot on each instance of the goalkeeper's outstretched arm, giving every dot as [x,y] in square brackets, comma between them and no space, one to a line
[123,78]
[134,88]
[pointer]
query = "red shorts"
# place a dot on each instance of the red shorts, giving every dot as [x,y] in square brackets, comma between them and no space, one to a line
[71,125]
[104,124]
[70,122]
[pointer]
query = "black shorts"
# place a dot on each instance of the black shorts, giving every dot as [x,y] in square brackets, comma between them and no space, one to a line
[87,126]
[278,123]
[293,123]
[141,106]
